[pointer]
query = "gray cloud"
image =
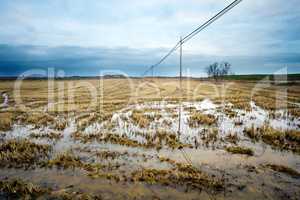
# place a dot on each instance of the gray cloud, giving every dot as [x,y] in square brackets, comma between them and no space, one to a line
[131,35]
[90,61]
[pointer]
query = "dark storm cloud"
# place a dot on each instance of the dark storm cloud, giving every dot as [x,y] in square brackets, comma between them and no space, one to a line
[15,60]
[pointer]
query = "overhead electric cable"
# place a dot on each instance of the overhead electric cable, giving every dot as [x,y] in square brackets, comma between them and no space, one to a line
[193,33]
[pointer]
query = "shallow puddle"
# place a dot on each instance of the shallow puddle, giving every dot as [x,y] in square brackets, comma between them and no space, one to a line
[245,176]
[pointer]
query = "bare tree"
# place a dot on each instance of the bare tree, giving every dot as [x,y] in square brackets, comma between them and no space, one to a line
[212,70]
[218,70]
[225,69]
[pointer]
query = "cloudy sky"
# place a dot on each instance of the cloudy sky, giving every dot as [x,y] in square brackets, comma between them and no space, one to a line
[87,37]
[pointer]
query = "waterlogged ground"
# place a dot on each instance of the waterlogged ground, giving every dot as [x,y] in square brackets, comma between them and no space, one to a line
[139,152]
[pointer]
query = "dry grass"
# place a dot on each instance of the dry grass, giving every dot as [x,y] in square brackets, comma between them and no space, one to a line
[60,124]
[272,136]
[119,92]
[229,112]
[39,119]
[6,121]
[68,160]
[87,119]
[284,169]
[210,136]
[22,153]
[240,150]
[252,133]
[144,117]
[197,119]
[65,161]
[109,138]
[293,135]
[268,134]
[109,176]
[18,189]
[294,112]
[283,140]
[156,141]
[141,119]
[240,103]
[181,174]
[232,138]
[111,154]
[95,170]
[51,135]
[163,138]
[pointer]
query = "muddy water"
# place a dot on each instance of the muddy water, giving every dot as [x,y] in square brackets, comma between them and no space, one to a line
[246,177]
[261,183]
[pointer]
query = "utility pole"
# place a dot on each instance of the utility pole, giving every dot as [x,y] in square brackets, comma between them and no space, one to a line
[152,71]
[180,86]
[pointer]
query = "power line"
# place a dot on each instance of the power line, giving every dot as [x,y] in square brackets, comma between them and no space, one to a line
[167,55]
[211,20]
[163,58]
[179,44]
[194,32]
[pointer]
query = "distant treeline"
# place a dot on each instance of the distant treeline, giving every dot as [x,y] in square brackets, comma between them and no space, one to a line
[62,78]
[256,77]
[249,77]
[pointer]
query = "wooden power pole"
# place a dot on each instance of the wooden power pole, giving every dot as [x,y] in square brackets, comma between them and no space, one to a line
[180,86]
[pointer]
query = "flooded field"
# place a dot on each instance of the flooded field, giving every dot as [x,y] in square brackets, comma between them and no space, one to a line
[237,144]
